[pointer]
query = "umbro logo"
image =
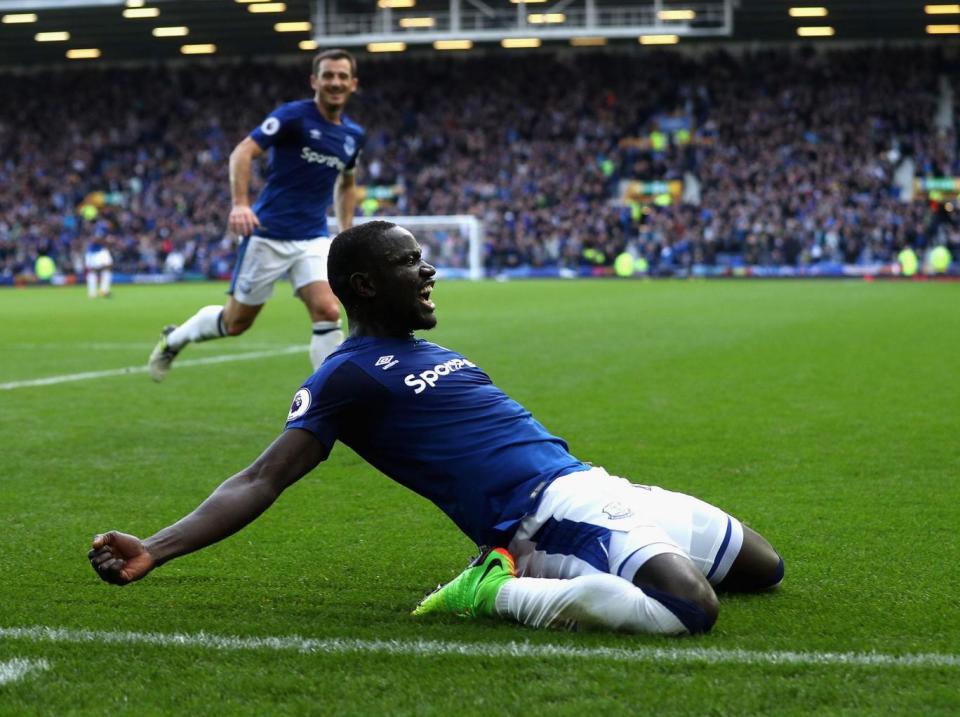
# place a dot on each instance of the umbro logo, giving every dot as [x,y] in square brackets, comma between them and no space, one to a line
[315,134]
[386,362]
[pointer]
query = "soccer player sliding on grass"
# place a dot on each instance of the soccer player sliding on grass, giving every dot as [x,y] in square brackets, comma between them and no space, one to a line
[572,545]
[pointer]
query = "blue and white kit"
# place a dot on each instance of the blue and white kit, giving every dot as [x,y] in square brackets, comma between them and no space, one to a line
[432,420]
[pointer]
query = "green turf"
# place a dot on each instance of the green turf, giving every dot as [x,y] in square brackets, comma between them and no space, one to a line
[824,414]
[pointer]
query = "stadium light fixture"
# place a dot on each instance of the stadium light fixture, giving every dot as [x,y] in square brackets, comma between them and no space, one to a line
[816,31]
[516,43]
[133,13]
[659,39]
[173,31]
[386,47]
[942,9]
[411,22]
[307,45]
[267,7]
[85,53]
[453,45]
[249,2]
[395,4]
[19,18]
[134,3]
[588,41]
[808,12]
[543,18]
[59,36]
[526,2]
[204,49]
[943,29]
[677,15]
[305,26]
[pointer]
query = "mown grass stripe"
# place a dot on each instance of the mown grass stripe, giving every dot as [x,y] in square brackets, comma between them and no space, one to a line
[15,669]
[428,648]
[87,375]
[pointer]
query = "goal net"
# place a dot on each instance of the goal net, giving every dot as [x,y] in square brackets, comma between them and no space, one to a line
[453,243]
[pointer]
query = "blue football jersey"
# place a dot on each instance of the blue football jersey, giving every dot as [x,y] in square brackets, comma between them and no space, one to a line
[306,155]
[433,421]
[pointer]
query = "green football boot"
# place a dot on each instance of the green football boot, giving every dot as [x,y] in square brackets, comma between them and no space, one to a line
[473,593]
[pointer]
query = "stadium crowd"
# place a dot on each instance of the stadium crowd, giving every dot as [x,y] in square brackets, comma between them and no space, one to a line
[785,157]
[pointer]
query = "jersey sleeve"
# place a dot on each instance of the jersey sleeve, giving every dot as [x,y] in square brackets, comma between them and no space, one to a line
[351,165]
[332,402]
[277,124]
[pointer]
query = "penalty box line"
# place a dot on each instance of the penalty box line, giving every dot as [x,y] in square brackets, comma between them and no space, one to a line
[435,648]
[88,375]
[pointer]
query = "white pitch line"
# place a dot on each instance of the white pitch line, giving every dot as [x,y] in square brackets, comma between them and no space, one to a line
[15,669]
[432,648]
[225,358]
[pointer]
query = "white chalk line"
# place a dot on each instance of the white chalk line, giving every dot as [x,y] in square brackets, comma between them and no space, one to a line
[88,375]
[434,648]
[15,669]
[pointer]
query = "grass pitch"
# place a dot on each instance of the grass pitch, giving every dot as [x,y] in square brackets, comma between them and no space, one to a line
[824,414]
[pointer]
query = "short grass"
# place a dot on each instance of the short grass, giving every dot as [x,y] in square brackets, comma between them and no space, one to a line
[824,414]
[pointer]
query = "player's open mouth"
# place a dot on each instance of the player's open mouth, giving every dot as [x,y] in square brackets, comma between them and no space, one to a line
[425,296]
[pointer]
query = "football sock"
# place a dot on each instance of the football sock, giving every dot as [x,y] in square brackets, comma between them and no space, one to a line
[92,284]
[599,601]
[106,277]
[327,335]
[204,325]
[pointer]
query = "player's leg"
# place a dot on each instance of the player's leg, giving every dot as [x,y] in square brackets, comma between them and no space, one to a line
[91,282]
[259,264]
[308,275]
[106,280]
[757,567]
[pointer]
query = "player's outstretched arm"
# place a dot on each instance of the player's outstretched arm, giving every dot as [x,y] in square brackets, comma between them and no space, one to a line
[119,558]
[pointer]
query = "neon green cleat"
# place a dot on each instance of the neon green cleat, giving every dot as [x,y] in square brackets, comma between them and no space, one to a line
[473,592]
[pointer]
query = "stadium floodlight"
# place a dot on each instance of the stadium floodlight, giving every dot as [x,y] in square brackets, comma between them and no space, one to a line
[526,2]
[677,15]
[588,41]
[808,12]
[396,4]
[386,47]
[267,7]
[816,31]
[453,44]
[541,18]
[943,29]
[133,13]
[658,39]
[202,49]
[19,18]
[942,9]
[515,43]
[134,3]
[83,53]
[305,26]
[308,45]
[413,22]
[58,36]
[172,31]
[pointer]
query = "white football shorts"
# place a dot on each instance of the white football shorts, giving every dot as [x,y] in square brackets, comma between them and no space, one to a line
[96,260]
[261,262]
[591,522]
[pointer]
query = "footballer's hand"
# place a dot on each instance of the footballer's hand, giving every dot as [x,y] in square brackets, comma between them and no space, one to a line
[119,558]
[242,220]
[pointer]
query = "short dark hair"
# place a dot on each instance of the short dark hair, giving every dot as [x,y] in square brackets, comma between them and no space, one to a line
[354,250]
[334,54]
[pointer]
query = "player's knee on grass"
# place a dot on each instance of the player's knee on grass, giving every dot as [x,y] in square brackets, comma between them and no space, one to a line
[674,581]
[757,567]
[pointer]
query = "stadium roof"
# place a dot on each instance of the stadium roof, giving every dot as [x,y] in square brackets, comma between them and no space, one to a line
[125,30]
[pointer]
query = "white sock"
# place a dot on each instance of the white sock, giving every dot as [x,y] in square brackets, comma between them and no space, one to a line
[202,326]
[598,601]
[327,335]
[92,284]
[106,276]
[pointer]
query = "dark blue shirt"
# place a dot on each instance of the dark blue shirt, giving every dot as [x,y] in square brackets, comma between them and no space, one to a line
[307,154]
[433,421]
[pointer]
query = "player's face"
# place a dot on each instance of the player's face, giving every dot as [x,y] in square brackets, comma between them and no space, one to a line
[405,282]
[333,84]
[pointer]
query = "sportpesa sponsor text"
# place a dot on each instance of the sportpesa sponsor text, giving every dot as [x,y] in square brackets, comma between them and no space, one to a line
[314,157]
[419,382]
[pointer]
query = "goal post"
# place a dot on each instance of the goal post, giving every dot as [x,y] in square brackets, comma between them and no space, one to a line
[452,243]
